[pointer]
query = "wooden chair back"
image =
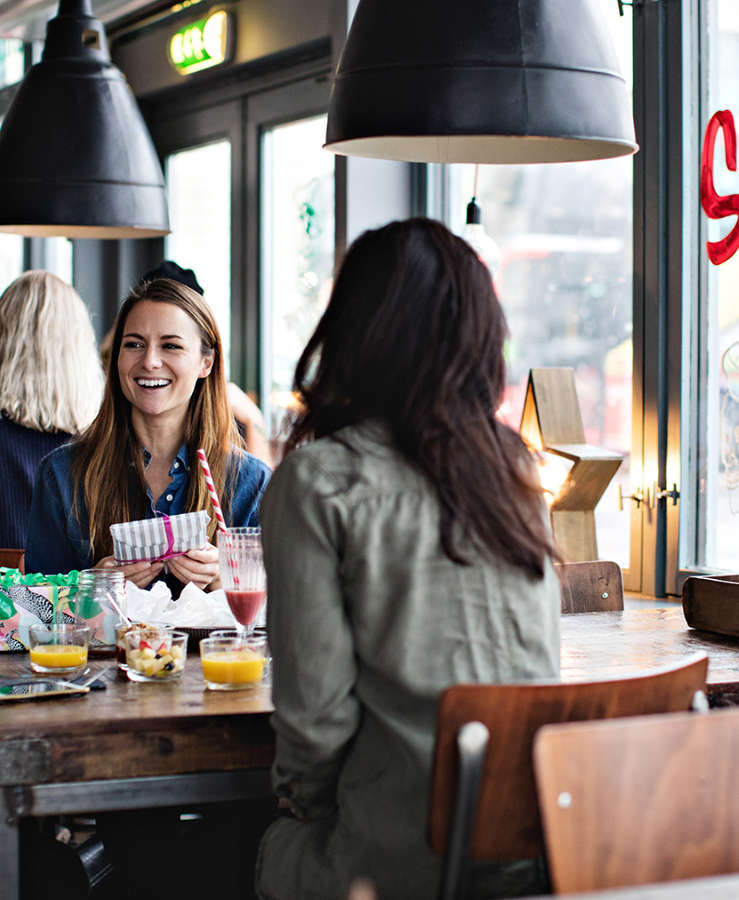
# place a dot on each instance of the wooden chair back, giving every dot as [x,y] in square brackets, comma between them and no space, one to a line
[639,800]
[507,823]
[13,558]
[595,586]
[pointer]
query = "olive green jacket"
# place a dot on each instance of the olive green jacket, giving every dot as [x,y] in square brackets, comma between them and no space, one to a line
[368,622]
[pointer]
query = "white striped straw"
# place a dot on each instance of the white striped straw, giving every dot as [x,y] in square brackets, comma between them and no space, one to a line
[232,561]
[212,491]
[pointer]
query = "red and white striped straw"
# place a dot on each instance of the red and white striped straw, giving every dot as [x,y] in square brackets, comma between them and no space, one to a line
[232,561]
[212,491]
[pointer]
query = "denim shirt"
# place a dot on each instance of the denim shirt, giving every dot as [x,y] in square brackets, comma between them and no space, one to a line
[58,542]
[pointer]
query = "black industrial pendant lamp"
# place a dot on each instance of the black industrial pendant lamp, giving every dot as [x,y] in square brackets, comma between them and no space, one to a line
[479,81]
[76,158]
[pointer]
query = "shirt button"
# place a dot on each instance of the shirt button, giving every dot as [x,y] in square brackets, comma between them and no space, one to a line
[169,498]
[176,464]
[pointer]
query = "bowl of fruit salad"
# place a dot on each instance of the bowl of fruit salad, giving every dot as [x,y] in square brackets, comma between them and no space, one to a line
[155,654]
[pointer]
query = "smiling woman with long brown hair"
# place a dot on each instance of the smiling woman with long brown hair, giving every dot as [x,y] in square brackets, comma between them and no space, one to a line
[407,549]
[165,397]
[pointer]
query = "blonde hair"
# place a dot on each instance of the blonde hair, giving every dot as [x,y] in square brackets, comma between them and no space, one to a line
[50,374]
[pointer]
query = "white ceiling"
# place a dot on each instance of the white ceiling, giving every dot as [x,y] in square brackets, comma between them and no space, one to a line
[27,19]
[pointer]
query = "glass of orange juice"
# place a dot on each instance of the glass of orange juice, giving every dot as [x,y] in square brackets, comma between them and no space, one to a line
[58,648]
[234,662]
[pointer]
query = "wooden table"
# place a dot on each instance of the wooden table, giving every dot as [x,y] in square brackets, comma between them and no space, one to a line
[138,746]
[723,887]
[130,746]
[606,645]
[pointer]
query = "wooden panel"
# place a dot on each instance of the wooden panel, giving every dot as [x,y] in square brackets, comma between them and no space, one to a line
[555,406]
[591,586]
[12,558]
[587,479]
[507,824]
[712,604]
[639,801]
[574,534]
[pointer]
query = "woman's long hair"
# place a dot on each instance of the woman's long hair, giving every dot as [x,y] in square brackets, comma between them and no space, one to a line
[50,375]
[107,462]
[413,335]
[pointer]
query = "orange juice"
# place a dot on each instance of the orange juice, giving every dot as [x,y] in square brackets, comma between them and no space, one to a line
[59,656]
[242,666]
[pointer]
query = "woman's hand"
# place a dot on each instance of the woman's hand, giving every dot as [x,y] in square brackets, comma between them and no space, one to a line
[139,573]
[199,566]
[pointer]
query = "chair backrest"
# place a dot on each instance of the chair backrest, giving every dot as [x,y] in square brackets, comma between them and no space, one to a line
[507,823]
[641,800]
[595,586]
[12,558]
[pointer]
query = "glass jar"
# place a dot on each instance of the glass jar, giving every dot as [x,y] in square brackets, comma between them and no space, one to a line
[93,607]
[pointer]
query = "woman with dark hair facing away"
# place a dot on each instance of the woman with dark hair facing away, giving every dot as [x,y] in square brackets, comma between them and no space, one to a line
[407,549]
[165,396]
[50,385]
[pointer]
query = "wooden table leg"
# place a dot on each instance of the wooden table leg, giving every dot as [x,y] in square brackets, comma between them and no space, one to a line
[9,845]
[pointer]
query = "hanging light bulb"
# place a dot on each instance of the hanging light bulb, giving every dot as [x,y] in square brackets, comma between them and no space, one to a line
[476,236]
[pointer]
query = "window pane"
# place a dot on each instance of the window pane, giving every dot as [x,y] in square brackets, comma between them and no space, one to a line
[11,258]
[11,61]
[714,409]
[564,278]
[199,195]
[58,255]
[297,247]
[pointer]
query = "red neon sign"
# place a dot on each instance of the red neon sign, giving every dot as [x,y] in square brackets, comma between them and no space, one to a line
[715,205]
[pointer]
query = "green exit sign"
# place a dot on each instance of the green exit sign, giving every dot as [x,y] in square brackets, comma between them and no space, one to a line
[201,44]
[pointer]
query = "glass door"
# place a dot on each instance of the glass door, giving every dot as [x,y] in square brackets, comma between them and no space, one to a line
[202,158]
[709,506]
[296,234]
[199,196]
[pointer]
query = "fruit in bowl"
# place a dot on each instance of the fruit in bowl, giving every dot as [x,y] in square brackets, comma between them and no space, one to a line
[155,657]
[150,633]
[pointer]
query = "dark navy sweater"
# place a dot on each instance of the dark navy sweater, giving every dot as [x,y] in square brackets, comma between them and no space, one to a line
[21,450]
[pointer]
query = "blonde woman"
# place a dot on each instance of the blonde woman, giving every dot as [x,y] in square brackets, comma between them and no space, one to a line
[50,385]
[165,396]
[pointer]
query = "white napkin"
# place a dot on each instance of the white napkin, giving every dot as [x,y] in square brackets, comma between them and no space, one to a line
[194,609]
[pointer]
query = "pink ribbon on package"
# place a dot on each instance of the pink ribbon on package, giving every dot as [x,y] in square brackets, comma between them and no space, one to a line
[169,553]
[170,540]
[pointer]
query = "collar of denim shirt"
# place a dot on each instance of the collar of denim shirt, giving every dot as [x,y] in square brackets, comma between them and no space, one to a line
[180,464]
[172,500]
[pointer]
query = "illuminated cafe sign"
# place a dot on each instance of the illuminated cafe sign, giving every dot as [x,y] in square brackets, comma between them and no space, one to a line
[202,44]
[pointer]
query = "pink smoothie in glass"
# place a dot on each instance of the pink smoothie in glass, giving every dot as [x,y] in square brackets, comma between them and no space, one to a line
[245,605]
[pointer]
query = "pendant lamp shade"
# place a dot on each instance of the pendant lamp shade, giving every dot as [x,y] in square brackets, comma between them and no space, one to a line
[479,81]
[76,158]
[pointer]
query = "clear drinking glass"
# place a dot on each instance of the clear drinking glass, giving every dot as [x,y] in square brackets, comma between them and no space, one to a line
[242,573]
[59,649]
[233,663]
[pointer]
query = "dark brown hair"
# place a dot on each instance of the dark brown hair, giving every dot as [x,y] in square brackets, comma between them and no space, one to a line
[413,335]
[107,465]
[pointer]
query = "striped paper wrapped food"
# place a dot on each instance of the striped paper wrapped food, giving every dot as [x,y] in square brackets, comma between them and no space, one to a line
[160,538]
